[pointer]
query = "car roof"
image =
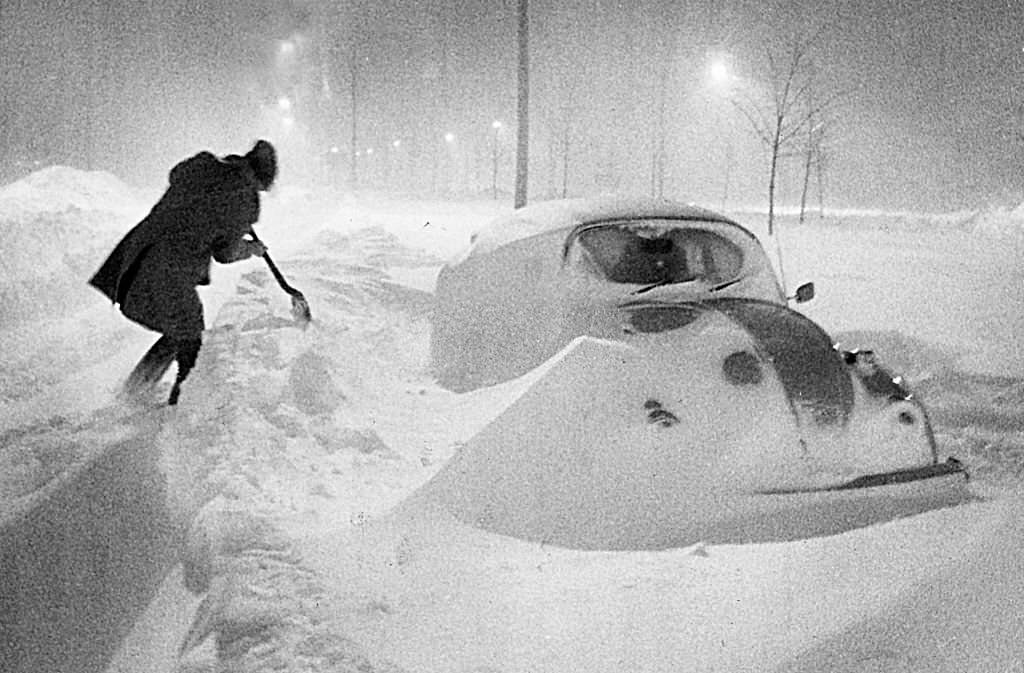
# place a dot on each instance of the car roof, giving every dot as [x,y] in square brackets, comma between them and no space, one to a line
[547,216]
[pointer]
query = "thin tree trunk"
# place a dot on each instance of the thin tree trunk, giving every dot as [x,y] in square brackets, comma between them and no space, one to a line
[771,186]
[821,186]
[776,146]
[494,167]
[565,159]
[728,175]
[807,178]
[659,157]
[353,158]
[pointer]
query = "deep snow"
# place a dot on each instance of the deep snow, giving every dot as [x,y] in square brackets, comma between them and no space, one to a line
[319,433]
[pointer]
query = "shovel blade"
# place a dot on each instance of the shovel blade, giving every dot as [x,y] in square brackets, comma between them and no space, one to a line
[300,309]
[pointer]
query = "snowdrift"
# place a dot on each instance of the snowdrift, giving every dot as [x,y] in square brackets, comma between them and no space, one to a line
[433,594]
[55,226]
[646,446]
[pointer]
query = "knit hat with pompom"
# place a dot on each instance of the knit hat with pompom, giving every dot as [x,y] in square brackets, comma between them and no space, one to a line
[262,159]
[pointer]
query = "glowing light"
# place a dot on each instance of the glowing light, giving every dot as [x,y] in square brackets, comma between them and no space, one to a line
[288,121]
[286,48]
[496,124]
[720,71]
[449,137]
[334,149]
[284,103]
[369,150]
[396,143]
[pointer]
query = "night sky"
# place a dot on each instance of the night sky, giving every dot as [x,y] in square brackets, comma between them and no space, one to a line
[926,117]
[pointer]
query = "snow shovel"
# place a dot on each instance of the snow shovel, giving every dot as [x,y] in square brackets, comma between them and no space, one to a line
[300,307]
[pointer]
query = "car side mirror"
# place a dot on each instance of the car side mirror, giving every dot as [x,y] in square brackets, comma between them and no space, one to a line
[804,293]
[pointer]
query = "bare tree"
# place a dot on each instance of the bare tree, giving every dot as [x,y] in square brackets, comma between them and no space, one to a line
[661,43]
[563,127]
[567,123]
[340,48]
[813,156]
[353,72]
[658,151]
[783,114]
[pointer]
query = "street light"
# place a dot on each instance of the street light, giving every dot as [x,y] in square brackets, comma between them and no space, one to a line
[436,156]
[722,82]
[720,71]
[449,161]
[389,160]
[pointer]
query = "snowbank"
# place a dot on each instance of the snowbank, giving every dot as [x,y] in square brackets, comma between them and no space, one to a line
[995,221]
[57,189]
[55,227]
[998,221]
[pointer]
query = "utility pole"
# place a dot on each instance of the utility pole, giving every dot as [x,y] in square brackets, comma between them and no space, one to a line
[523,108]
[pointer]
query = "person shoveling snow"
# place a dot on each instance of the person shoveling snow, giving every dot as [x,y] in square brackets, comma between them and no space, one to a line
[206,213]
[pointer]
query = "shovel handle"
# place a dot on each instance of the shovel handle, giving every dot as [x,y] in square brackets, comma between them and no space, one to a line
[300,307]
[278,276]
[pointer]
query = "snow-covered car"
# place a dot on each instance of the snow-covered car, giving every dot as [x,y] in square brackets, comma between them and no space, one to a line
[664,368]
[532,281]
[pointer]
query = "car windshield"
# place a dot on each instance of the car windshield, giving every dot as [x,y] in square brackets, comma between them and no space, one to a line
[651,252]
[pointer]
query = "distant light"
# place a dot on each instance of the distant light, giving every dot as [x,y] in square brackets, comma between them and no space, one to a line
[284,103]
[286,48]
[396,143]
[369,150]
[449,137]
[334,149]
[719,71]
[288,121]
[496,124]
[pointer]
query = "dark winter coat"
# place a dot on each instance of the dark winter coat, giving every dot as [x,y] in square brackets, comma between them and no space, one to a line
[210,205]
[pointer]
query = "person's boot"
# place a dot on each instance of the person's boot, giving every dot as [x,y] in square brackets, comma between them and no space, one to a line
[151,368]
[187,353]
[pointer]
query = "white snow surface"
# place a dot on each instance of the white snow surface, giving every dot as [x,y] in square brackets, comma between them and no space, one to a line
[321,433]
